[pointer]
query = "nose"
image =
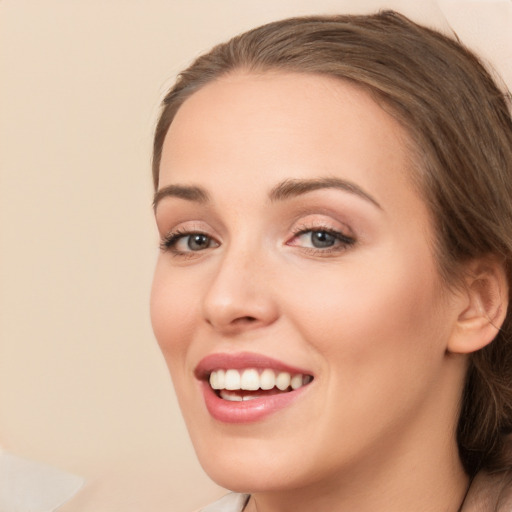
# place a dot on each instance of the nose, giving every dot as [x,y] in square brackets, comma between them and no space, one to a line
[240,296]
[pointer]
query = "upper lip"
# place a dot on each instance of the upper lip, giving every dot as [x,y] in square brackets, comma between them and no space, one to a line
[240,361]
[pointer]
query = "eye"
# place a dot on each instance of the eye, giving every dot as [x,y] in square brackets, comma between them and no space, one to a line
[321,240]
[187,242]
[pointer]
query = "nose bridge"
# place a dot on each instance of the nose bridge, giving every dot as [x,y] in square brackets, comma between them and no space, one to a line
[240,296]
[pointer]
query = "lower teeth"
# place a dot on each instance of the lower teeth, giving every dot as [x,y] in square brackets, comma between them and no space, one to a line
[234,397]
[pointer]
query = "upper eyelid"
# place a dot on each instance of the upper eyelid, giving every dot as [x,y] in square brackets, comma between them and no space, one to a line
[326,222]
[185,226]
[180,233]
[312,219]
[318,222]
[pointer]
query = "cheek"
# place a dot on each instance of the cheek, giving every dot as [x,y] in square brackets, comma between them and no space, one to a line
[362,316]
[378,343]
[173,304]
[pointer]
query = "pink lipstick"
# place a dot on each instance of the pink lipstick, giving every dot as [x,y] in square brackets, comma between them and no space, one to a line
[246,387]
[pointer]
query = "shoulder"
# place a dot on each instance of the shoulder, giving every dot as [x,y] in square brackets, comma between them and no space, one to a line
[232,502]
[490,492]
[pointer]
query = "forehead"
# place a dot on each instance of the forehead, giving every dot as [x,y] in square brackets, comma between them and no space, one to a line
[272,126]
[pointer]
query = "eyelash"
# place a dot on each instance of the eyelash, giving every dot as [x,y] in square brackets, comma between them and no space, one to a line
[343,241]
[169,242]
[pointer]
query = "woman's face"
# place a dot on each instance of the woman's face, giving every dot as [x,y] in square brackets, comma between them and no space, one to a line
[297,254]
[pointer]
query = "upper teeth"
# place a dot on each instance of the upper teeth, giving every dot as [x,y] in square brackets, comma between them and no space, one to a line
[252,380]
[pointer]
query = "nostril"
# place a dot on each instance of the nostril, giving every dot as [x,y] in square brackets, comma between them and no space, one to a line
[245,320]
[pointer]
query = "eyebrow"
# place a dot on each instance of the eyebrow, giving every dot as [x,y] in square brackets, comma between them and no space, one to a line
[297,187]
[188,192]
[285,190]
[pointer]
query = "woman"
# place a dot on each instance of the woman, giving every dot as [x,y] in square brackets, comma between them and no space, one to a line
[333,196]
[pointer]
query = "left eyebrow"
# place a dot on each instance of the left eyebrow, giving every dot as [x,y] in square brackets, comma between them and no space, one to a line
[297,187]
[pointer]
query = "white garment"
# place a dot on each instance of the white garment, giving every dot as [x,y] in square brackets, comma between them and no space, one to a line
[28,486]
[230,503]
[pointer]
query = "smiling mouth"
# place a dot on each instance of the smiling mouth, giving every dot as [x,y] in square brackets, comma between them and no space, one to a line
[237,386]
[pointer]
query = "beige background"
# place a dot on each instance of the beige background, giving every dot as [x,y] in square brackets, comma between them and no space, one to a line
[82,383]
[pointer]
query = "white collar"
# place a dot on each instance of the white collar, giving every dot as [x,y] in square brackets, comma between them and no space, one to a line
[232,502]
[31,486]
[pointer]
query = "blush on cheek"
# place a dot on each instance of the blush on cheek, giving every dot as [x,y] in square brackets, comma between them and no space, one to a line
[168,315]
[364,317]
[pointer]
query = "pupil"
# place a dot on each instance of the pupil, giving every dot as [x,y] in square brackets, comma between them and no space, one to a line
[196,242]
[322,239]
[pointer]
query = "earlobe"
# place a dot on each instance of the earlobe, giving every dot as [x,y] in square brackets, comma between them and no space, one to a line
[485,303]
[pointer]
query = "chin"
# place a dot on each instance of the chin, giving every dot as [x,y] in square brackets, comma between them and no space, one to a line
[248,478]
[249,469]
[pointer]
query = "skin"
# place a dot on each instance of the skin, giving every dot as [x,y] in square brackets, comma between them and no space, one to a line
[371,320]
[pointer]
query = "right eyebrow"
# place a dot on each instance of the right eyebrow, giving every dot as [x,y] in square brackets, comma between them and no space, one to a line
[187,192]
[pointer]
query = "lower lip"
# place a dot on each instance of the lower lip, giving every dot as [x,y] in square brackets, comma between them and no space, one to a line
[248,410]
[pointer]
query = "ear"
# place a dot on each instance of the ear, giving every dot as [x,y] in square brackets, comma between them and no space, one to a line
[483,306]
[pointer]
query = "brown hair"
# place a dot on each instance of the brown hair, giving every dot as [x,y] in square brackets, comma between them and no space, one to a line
[461,128]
